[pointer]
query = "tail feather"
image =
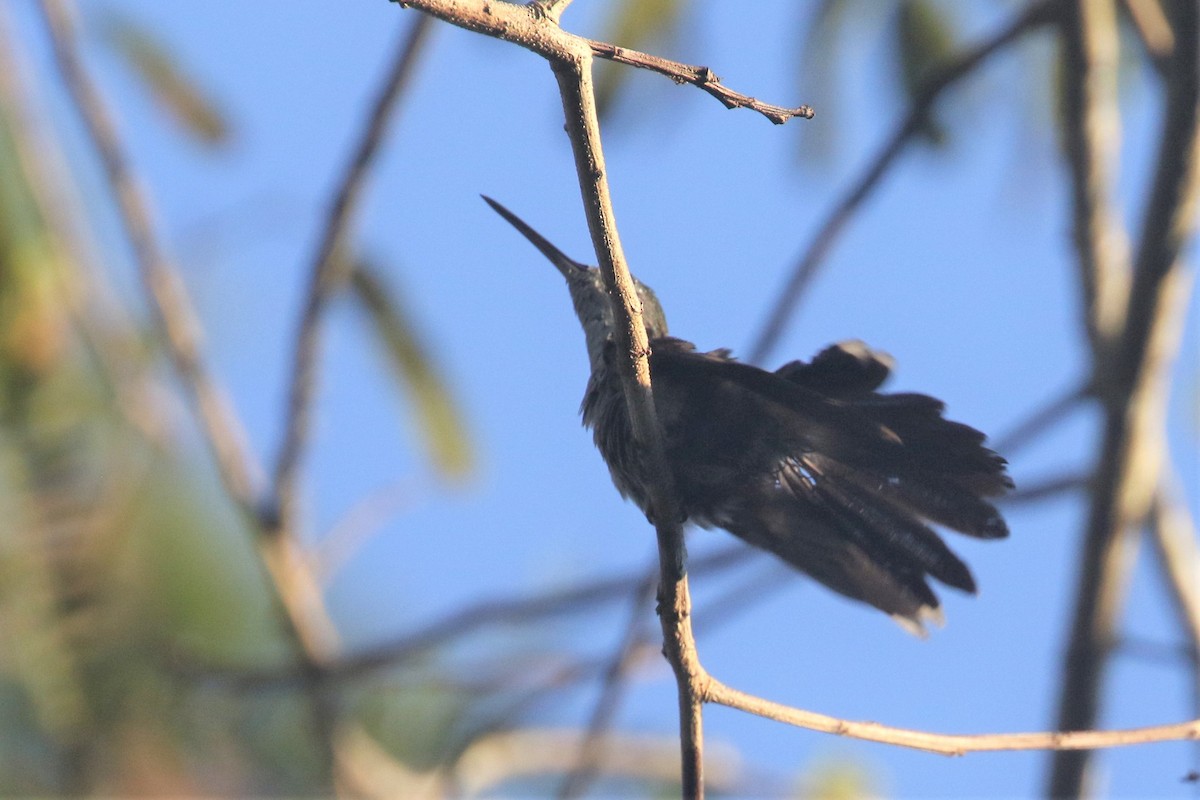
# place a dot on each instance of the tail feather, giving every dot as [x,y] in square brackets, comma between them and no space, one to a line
[892,527]
[839,480]
[828,546]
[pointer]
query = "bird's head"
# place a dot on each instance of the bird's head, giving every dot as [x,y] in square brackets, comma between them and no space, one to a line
[586,285]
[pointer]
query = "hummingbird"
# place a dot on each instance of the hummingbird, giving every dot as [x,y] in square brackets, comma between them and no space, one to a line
[810,462]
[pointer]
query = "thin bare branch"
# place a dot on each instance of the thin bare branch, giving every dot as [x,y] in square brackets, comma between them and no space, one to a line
[948,744]
[1035,15]
[535,27]
[1168,655]
[700,77]
[361,522]
[328,272]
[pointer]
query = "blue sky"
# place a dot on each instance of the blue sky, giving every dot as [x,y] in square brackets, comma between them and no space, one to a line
[960,266]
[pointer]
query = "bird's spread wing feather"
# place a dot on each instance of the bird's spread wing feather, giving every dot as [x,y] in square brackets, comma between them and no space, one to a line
[813,464]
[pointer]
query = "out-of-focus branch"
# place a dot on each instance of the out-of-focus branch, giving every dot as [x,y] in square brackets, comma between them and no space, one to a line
[1131,379]
[511,754]
[1045,489]
[1039,421]
[1153,30]
[591,750]
[494,759]
[173,313]
[328,272]
[486,613]
[303,616]
[1174,536]
[1091,138]
[1035,15]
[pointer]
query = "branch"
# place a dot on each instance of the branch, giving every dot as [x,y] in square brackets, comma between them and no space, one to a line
[1037,422]
[174,317]
[328,272]
[574,74]
[1091,124]
[591,749]
[1047,488]
[487,612]
[1153,31]
[700,77]
[947,744]
[1173,532]
[535,27]
[302,615]
[1132,381]
[1033,16]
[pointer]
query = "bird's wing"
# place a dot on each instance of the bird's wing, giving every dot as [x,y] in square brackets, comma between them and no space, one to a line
[815,466]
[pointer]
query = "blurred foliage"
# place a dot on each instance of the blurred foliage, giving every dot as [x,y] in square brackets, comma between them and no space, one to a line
[131,596]
[925,41]
[156,66]
[839,778]
[435,412]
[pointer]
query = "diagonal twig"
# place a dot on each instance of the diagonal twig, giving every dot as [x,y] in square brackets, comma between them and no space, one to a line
[1034,15]
[327,272]
[1039,421]
[1091,136]
[701,77]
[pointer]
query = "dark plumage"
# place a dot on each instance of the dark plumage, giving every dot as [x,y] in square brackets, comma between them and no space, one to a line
[809,462]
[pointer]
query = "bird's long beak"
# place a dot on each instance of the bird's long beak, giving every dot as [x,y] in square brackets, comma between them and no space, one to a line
[565,264]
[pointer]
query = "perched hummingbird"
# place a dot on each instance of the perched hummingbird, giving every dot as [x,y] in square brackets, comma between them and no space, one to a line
[809,462]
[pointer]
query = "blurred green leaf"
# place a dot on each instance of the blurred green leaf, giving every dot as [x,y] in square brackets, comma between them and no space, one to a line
[442,426]
[925,40]
[155,64]
[633,24]
[839,778]
[819,74]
